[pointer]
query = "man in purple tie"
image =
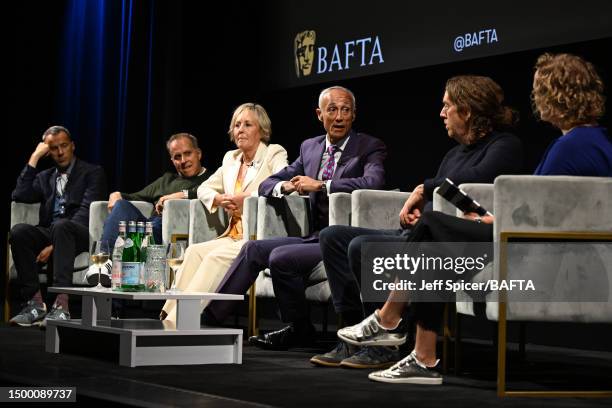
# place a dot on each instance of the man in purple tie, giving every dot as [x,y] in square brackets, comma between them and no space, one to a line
[342,160]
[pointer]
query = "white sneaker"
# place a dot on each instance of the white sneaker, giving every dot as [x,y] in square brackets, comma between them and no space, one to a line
[370,333]
[408,371]
[105,276]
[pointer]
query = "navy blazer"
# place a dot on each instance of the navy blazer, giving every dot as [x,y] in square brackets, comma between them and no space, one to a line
[360,167]
[86,183]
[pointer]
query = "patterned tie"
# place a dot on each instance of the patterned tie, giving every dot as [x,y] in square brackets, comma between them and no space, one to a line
[328,169]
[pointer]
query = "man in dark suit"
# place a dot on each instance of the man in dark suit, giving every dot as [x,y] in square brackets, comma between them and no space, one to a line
[340,161]
[64,193]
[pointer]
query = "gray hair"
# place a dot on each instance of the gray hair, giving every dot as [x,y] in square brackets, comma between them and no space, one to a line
[339,88]
[263,120]
[192,139]
[55,130]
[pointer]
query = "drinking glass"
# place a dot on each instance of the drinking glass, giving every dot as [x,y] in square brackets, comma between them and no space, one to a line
[99,255]
[174,257]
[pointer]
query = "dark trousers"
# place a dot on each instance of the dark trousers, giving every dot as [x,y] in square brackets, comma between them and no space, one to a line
[435,226]
[68,239]
[341,248]
[123,210]
[290,260]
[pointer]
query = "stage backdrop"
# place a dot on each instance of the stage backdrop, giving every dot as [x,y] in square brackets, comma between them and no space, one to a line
[308,42]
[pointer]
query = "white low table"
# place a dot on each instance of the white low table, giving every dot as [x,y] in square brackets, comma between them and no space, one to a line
[149,341]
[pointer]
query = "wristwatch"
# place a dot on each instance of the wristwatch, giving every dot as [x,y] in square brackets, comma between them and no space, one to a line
[478,219]
[185,193]
[324,187]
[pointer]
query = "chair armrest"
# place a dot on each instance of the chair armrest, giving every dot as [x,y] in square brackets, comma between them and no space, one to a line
[175,219]
[377,208]
[442,204]
[203,225]
[249,218]
[552,203]
[282,217]
[98,211]
[340,209]
[24,213]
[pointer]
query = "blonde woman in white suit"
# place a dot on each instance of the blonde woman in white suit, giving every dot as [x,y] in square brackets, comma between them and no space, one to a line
[238,177]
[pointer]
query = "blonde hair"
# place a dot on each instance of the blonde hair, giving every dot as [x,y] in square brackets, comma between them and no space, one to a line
[263,120]
[567,91]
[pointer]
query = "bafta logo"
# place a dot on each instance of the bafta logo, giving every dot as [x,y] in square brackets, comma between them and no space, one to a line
[303,49]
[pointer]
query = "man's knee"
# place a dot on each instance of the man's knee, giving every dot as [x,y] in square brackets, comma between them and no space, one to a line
[281,259]
[329,235]
[122,205]
[61,226]
[355,246]
[20,233]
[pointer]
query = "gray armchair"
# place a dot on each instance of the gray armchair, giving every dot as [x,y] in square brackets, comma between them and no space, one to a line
[289,217]
[542,208]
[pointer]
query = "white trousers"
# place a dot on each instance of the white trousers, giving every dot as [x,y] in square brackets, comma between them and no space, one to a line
[204,267]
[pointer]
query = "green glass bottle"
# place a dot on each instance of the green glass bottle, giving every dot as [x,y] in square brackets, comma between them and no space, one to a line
[131,263]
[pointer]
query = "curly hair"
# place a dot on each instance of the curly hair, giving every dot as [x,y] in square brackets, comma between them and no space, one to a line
[483,99]
[567,91]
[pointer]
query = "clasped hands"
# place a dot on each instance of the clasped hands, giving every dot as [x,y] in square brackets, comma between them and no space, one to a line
[301,184]
[230,202]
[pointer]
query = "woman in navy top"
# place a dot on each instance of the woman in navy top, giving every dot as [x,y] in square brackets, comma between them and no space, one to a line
[568,93]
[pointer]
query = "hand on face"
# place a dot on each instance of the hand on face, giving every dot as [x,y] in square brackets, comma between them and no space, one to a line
[42,150]
[60,148]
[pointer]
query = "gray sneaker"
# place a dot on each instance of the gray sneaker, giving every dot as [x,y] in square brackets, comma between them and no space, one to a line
[370,333]
[334,357]
[373,357]
[408,371]
[31,315]
[56,313]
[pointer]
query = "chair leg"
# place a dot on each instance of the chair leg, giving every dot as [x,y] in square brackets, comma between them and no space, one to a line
[522,340]
[7,282]
[324,319]
[457,343]
[253,329]
[445,339]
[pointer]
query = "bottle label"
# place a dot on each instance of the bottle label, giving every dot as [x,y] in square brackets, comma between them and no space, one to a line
[130,273]
[116,274]
[128,243]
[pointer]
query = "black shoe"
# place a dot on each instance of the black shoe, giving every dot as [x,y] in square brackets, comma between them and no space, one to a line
[283,339]
[333,358]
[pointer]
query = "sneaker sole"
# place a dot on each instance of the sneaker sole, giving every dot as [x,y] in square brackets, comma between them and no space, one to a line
[93,280]
[324,363]
[37,323]
[350,364]
[411,380]
[389,342]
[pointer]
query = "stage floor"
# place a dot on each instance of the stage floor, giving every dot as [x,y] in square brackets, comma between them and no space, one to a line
[287,379]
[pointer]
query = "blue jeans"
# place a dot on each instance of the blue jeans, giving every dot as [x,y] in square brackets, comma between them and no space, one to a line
[123,210]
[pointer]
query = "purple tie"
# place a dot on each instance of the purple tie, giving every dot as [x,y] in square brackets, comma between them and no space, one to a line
[328,169]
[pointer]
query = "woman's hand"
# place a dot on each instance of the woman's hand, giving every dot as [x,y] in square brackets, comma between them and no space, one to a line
[486,219]
[411,211]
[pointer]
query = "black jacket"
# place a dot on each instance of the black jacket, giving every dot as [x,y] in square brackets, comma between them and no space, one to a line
[86,183]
